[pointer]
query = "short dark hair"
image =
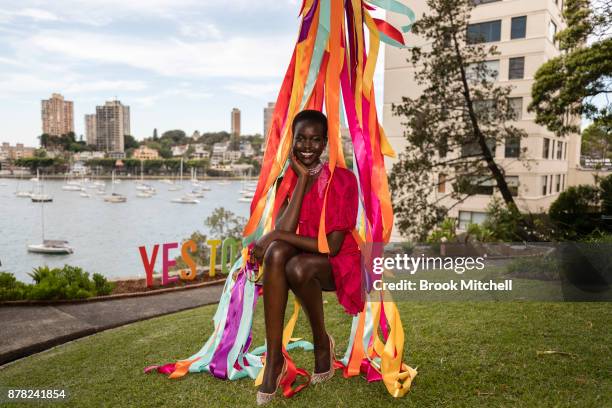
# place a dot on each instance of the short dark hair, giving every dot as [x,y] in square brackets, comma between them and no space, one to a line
[310,115]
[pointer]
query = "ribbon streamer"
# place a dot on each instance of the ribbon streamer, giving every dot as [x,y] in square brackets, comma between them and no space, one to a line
[331,68]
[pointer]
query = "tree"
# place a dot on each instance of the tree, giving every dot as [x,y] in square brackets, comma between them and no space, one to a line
[597,141]
[130,142]
[155,138]
[223,224]
[569,86]
[453,127]
[176,136]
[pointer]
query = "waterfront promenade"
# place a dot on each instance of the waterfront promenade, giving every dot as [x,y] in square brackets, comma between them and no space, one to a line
[31,329]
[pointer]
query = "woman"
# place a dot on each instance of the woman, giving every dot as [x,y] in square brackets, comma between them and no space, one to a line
[291,256]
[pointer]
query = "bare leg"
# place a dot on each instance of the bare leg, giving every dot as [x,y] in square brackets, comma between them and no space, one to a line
[275,290]
[307,275]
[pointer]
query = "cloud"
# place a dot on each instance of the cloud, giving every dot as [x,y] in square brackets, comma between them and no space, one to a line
[251,57]
[31,13]
[201,31]
[254,89]
[16,83]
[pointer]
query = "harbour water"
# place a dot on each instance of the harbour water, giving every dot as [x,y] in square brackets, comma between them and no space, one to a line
[105,236]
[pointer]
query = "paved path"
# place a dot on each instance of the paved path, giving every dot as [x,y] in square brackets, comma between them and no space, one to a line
[26,330]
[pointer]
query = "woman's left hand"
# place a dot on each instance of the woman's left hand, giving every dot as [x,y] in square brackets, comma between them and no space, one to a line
[261,245]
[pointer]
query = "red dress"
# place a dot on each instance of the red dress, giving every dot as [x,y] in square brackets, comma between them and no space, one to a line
[340,215]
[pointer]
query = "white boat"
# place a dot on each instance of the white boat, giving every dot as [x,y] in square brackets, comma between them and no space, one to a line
[175,188]
[248,194]
[165,181]
[144,194]
[40,196]
[52,247]
[204,187]
[114,197]
[49,246]
[223,182]
[196,194]
[3,185]
[185,200]
[244,200]
[85,194]
[71,187]
[21,193]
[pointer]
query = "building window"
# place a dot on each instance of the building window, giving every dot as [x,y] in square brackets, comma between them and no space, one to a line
[544,182]
[516,105]
[441,183]
[563,184]
[488,70]
[558,183]
[516,68]
[473,148]
[546,148]
[518,27]
[470,217]
[513,184]
[484,32]
[560,146]
[512,147]
[552,31]
[565,152]
[552,149]
[550,184]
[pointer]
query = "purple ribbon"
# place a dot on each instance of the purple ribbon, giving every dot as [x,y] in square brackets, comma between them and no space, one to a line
[218,364]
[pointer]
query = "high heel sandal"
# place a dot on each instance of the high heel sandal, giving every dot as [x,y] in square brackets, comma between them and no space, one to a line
[264,397]
[317,378]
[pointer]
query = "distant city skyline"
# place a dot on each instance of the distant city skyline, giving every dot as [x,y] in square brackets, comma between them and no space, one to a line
[178,64]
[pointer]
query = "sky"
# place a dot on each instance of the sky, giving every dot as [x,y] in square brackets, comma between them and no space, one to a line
[178,64]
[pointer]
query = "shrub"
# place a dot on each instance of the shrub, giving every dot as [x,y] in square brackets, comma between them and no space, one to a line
[102,285]
[605,186]
[575,211]
[11,288]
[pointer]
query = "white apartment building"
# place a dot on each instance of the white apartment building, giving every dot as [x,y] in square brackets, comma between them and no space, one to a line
[523,31]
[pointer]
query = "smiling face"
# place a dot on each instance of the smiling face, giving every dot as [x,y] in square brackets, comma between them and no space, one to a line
[309,141]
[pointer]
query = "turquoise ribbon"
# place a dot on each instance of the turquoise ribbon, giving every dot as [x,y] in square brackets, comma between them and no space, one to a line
[396,7]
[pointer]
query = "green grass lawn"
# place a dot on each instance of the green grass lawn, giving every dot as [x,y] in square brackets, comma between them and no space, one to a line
[480,354]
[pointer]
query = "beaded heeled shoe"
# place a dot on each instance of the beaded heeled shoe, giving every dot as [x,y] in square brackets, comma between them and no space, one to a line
[317,378]
[264,397]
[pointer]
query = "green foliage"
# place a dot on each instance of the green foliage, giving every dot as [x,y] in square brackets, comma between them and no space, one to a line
[130,142]
[481,233]
[446,232]
[573,211]
[605,194]
[569,85]
[48,164]
[69,282]
[223,224]
[11,288]
[176,137]
[597,140]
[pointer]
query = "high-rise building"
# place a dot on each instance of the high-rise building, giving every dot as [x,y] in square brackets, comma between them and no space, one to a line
[235,118]
[57,115]
[268,112]
[112,124]
[524,35]
[90,129]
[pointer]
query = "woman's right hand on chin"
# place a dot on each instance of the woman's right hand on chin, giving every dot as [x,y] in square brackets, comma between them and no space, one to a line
[299,169]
